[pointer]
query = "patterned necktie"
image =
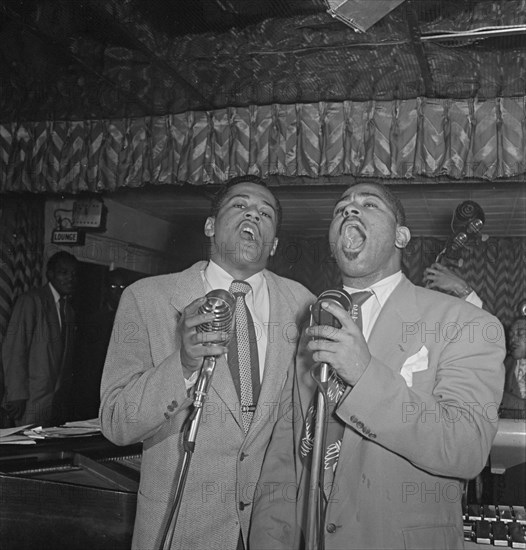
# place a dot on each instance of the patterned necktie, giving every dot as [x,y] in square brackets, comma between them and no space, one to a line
[243,353]
[520,374]
[335,388]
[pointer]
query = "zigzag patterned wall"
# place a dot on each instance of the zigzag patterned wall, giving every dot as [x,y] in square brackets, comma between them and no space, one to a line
[21,246]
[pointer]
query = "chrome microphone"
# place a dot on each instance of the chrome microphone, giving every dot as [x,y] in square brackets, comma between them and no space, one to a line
[221,304]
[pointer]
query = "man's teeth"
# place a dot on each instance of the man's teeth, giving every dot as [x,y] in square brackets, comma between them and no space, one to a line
[249,231]
[353,237]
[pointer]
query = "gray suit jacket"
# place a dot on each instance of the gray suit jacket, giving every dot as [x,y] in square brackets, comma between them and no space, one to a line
[143,376]
[420,420]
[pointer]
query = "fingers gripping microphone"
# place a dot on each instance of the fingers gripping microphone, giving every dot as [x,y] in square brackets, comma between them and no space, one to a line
[319,316]
[221,304]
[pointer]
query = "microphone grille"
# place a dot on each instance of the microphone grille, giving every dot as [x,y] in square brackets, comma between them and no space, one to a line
[321,317]
[221,304]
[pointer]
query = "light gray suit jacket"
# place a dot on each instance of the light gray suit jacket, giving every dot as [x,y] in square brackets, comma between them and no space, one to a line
[143,376]
[420,420]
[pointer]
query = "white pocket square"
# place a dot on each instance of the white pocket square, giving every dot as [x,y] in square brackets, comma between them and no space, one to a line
[415,363]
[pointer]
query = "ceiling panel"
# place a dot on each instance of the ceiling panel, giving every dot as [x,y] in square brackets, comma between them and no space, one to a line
[307,210]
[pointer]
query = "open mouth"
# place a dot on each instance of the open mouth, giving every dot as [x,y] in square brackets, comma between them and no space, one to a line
[247,232]
[353,237]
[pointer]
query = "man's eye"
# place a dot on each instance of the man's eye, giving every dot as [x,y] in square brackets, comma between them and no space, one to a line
[266,214]
[338,210]
[370,204]
[238,205]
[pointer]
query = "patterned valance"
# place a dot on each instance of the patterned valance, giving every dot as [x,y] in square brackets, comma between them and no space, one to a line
[393,139]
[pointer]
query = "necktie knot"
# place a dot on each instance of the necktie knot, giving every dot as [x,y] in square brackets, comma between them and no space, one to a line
[359,298]
[238,288]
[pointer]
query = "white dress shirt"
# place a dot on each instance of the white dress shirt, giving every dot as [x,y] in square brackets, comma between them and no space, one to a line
[56,297]
[372,306]
[258,303]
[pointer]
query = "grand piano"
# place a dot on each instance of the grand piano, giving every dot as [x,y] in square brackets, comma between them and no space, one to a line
[74,494]
[81,494]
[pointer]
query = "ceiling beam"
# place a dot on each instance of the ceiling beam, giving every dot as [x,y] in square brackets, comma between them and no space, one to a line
[413,26]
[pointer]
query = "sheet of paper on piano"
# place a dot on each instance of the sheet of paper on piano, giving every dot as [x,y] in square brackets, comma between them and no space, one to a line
[15,436]
[69,429]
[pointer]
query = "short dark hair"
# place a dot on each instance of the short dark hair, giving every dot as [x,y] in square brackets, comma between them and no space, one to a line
[217,199]
[392,200]
[57,257]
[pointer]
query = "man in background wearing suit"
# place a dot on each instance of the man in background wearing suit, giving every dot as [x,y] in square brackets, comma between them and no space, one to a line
[417,401]
[514,399]
[154,359]
[38,346]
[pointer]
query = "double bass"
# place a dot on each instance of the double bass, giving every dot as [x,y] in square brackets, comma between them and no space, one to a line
[466,224]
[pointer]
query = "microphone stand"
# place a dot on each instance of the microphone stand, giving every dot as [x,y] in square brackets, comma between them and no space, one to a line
[313,540]
[314,532]
[189,437]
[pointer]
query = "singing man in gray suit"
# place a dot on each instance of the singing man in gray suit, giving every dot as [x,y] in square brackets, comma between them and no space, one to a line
[154,359]
[415,407]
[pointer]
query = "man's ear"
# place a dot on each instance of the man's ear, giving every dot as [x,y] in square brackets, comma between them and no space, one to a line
[274,246]
[210,225]
[403,236]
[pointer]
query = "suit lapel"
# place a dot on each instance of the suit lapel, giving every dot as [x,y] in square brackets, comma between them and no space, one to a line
[393,338]
[277,352]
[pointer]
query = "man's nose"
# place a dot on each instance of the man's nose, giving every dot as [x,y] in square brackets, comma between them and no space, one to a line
[252,213]
[351,210]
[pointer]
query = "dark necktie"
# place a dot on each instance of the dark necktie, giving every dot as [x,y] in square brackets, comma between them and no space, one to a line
[63,320]
[243,354]
[335,388]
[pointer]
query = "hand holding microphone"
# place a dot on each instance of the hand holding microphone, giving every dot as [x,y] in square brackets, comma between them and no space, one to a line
[220,304]
[338,342]
[201,335]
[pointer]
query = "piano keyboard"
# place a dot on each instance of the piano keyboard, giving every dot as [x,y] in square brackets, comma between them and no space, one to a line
[495,525]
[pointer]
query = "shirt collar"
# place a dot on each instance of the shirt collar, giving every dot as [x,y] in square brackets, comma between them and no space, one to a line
[381,289]
[56,295]
[217,277]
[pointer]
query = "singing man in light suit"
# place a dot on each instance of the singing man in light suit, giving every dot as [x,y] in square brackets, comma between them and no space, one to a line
[154,359]
[418,410]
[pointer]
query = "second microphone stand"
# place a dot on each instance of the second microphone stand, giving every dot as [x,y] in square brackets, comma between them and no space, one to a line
[315,507]
[189,437]
[221,304]
[313,540]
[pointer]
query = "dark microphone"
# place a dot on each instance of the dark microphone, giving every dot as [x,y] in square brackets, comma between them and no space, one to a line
[320,316]
[221,304]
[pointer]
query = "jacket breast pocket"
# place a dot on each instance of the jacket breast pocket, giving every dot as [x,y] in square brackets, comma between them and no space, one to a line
[445,537]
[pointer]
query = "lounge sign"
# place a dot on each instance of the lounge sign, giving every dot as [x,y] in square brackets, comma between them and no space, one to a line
[70,236]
